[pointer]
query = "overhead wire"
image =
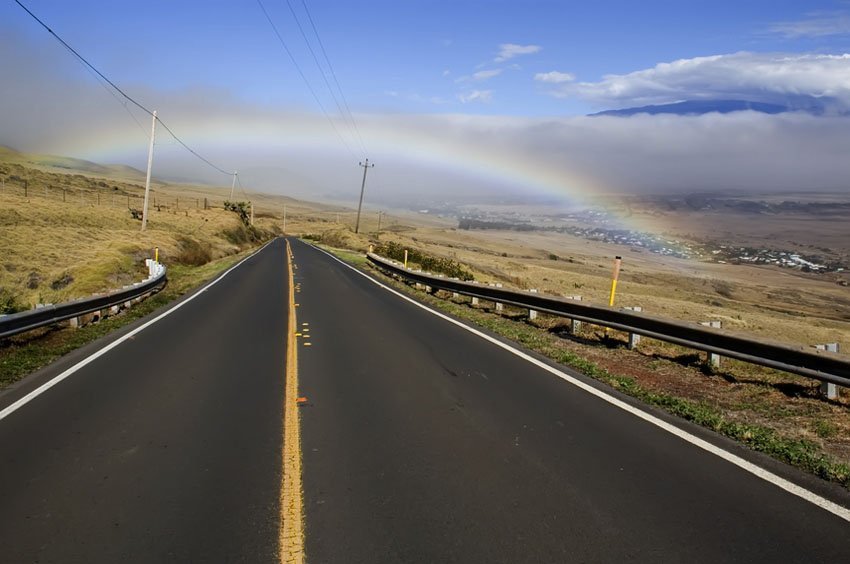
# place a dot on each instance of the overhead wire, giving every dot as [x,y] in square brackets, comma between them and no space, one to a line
[304,77]
[333,74]
[322,72]
[119,90]
[239,182]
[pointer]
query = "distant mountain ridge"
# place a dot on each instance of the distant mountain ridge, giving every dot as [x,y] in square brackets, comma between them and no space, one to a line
[699,107]
[73,165]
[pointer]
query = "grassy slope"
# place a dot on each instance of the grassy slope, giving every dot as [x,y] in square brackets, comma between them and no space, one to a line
[774,413]
[59,249]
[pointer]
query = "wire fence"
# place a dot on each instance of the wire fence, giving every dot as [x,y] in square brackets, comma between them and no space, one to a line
[110,197]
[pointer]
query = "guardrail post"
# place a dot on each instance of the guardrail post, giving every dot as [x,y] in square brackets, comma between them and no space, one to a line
[475,301]
[532,313]
[634,338]
[828,389]
[713,358]
[499,306]
[455,295]
[575,324]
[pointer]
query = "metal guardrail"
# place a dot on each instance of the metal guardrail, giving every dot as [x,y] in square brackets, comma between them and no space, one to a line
[35,318]
[820,365]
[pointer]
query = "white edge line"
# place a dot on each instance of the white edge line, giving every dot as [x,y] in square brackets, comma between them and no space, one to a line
[754,469]
[94,356]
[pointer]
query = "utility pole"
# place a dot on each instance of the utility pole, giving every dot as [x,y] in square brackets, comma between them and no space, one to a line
[380,213]
[284,219]
[233,185]
[148,177]
[366,167]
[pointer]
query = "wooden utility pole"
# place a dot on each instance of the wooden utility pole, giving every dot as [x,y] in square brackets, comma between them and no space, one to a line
[366,167]
[148,177]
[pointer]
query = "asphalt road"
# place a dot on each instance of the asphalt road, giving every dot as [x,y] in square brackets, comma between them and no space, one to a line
[424,443]
[167,448]
[421,442]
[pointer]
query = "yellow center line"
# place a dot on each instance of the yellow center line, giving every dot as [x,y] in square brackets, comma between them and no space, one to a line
[291,492]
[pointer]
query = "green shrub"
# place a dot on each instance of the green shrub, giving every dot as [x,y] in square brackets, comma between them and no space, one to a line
[426,262]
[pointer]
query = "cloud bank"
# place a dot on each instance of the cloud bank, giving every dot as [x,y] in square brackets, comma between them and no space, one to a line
[772,78]
[420,157]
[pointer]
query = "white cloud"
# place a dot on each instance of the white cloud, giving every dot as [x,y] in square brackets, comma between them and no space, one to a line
[511,50]
[815,24]
[555,77]
[763,77]
[475,96]
[425,155]
[485,74]
[447,72]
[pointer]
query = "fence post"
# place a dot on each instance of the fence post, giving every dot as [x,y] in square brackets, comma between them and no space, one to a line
[26,188]
[63,193]
[828,389]
[713,358]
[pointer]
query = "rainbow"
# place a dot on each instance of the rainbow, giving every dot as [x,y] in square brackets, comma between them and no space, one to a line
[300,134]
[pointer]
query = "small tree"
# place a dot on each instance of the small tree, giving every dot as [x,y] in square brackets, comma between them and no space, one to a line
[242,209]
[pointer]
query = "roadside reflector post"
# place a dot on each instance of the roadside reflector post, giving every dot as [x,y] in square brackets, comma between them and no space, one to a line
[405,258]
[713,358]
[828,389]
[614,277]
[532,313]
[156,254]
[634,338]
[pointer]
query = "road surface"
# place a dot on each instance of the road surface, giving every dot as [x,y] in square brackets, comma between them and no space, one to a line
[421,442]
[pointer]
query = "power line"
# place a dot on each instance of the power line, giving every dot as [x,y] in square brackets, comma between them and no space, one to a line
[304,78]
[333,74]
[322,72]
[119,90]
[244,193]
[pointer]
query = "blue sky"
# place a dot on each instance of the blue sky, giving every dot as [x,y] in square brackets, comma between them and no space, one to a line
[510,76]
[413,55]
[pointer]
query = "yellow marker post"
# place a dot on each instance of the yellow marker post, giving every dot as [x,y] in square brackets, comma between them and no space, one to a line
[614,277]
[405,258]
[156,254]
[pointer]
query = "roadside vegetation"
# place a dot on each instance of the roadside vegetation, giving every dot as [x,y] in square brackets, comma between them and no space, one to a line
[67,236]
[778,414]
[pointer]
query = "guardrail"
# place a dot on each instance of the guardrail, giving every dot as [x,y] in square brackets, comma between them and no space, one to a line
[819,365]
[48,314]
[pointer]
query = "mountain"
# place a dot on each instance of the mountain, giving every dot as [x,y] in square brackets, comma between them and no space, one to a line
[700,107]
[72,165]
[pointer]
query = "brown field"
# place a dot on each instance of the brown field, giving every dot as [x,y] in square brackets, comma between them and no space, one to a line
[59,248]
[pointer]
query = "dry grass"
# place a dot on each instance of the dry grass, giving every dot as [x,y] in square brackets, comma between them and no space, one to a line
[68,233]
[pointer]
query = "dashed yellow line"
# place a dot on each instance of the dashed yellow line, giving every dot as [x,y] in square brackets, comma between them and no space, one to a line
[291,491]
